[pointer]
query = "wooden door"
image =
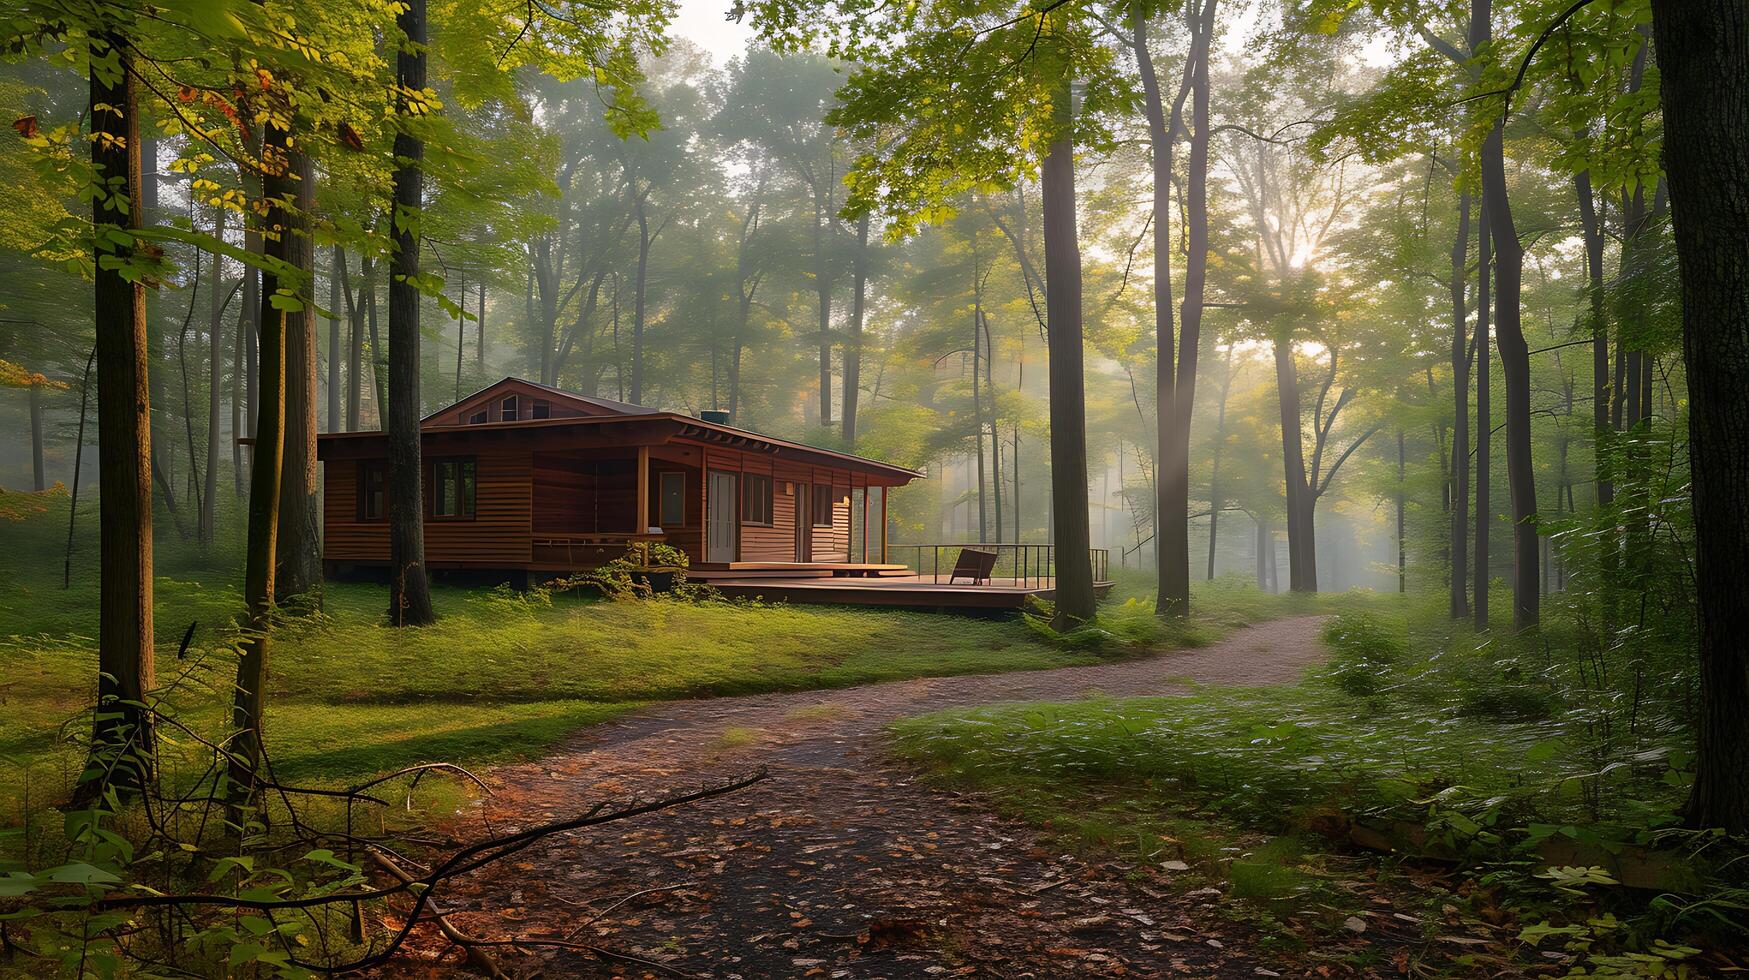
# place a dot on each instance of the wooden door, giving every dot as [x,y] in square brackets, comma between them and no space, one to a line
[723,521]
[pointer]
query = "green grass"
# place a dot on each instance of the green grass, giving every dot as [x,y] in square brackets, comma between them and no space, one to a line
[501,675]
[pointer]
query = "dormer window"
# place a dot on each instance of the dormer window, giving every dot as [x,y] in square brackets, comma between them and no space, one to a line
[541,410]
[509,412]
[478,418]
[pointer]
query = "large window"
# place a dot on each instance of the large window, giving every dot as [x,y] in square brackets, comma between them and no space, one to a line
[452,488]
[373,478]
[672,512]
[821,512]
[755,498]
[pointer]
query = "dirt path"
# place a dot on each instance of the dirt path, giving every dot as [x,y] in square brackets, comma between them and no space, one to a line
[841,864]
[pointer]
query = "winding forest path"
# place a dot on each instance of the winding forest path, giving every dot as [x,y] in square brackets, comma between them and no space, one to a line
[842,863]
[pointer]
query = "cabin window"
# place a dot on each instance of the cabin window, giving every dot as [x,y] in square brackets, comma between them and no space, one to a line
[821,512]
[755,498]
[373,478]
[508,409]
[541,410]
[672,512]
[478,418]
[452,488]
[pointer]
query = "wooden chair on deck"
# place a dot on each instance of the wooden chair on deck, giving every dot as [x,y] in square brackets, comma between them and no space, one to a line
[975,564]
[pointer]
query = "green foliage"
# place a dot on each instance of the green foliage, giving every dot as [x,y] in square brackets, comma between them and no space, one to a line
[1365,649]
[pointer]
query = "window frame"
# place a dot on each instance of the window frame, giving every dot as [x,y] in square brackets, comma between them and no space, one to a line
[823,493]
[540,410]
[480,417]
[367,469]
[663,479]
[768,498]
[510,409]
[437,463]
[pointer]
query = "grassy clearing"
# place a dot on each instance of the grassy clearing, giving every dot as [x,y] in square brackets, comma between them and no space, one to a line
[502,675]
[1481,751]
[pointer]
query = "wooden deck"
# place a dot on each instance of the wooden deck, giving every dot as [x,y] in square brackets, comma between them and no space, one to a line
[887,588]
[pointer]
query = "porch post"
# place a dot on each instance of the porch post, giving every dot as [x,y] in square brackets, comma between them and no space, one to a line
[865,521]
[642,510]
[884,491]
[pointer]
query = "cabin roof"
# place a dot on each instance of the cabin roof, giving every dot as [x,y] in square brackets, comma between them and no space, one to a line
[606,412]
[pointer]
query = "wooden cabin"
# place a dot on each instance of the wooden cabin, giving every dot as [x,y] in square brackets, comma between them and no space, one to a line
[521,478]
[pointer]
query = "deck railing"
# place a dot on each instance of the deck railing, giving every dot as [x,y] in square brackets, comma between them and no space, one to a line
[1029,566]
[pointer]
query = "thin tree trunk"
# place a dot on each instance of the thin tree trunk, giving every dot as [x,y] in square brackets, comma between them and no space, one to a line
[1215,466]
[1402,533]
[1484,416]
[480,332]
[638,304]
[853,352]
[335,381]
[36,438]
[1703,56]
[125,654]
[995,430]
[1460,434]
[1068,402]
[409,593]
[215,366]
[299,552]
[1514,364]
[823,290]
[354,344]
[977,405]
[1594,243]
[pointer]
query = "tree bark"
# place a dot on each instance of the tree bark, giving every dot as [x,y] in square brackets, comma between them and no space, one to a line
[335,380]
[977,404]
[1484,416]
[124,409]
[249,698]
[638,302]
[1302,554]
[215,366]
[1068,400]
[1460,434]
[853,345]
[1215,499]
[1594,244]
[1402,533]
[299,551]
[409,593]
[36,438]
[1703,57]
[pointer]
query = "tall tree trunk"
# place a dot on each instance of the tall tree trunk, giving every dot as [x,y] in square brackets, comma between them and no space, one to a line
[1703,57]
[335,380]
[36,438]
[1460,433]
[1594,243]
[215,367]
[638,304]
[853,349]
[125,655]
[1484,416]
[823,290]
[480,332]
[1177,474]
[1302,552]
[409,593]
[995,429]
[299,552]
[461,337]
[1402,534]
[1215,466]
[977,404]
[249,700]
[354,344]
[1514,357]
[1075,600]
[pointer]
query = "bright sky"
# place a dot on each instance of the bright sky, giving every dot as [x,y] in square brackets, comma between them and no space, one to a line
[702,22]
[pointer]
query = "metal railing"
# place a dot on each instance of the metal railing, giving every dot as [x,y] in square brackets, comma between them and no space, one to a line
[1025,566]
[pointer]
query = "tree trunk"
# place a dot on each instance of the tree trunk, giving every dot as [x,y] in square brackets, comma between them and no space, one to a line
[215,367]
[249,700]
[122,730]
[1402,534]
[239,353]
[1215,466]
[1460,433]
[1703,57]
[299,552]
[1302,552]
[823,288]
[36,438]
[1484,415]
[977,404]
[1068,401]
[354,344]
[638,304]
[995,429]
[853,351]
[1594,244]
[335,381]
[409,593]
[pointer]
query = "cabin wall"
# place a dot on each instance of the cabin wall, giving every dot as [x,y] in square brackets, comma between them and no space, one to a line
[777,541]
[498,535]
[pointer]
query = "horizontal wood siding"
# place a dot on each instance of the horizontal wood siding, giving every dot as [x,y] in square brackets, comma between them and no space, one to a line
[498,535]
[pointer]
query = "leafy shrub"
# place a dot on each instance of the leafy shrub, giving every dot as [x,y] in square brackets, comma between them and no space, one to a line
[1365,650]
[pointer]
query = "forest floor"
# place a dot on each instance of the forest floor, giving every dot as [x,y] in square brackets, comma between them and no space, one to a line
[846,862]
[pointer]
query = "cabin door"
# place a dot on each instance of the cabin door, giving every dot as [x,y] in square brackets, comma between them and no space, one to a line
[804,523]
[725,508]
